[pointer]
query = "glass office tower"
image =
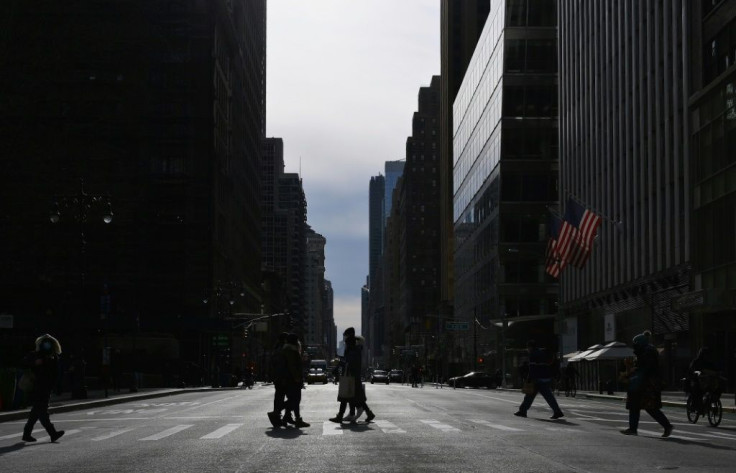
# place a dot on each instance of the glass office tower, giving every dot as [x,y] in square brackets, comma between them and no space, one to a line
[505,176]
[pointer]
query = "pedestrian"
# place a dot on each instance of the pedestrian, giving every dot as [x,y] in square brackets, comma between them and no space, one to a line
[644,390]
[43,363]
[280,378]
[352,361]
[540,377]
[295,381]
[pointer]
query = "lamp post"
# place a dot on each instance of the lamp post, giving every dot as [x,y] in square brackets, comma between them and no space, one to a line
[78,208]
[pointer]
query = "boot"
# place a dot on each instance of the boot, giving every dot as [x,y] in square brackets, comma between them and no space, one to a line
[300,423]
[28,437]
[288,419]
[370,416]
[337,419]
[274,418]
[56,435]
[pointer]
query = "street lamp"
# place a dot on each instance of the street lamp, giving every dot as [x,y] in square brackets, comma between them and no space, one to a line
[78,207]
[503,325]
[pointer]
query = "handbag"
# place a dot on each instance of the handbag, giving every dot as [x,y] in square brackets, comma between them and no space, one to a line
[346,388]
[529,387]
[27,381]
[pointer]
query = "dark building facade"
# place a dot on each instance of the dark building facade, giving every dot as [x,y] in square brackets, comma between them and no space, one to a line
[624,145]
[505,179]
[284,230]
[712,113]
[160,111]
[461,24]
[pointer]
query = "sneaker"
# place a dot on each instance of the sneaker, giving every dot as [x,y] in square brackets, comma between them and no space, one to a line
[288,420]
[629,432]
[668,431]
[520,414]
[300,423]
[28,438]
[370,416]
[337,419]
[56,435]
[557,415]
[275,419]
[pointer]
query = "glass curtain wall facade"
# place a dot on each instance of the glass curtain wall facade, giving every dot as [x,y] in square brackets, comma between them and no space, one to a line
[505,175]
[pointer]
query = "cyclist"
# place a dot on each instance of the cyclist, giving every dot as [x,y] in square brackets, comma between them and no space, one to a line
[702,375]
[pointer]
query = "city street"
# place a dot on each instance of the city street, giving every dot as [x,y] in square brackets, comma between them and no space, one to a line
[416,429]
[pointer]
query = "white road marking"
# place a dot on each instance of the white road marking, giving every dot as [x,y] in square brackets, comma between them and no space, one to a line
[66,434]
[495,426]
[222,431]
[167,432]
[674,434]
[389,427]
[331,428]
[19,434]
[440,426]
[110,435]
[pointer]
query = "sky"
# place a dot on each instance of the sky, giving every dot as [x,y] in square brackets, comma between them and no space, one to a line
[342,81]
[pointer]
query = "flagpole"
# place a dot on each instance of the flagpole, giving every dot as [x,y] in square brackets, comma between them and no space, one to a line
[618,223]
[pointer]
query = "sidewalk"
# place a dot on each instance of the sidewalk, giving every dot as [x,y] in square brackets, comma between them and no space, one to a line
[96,398]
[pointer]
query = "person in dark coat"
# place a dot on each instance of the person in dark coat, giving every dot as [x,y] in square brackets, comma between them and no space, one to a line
[44,364]
[352,368]
[294,382]
[540,373]
[644,390]
[280,378]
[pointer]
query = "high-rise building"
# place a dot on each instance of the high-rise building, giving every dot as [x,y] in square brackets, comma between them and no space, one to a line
[284,230]
[155,111]
[712,139]
[393,171]
[314,297]
[505,178]
[376,224]
[329,317]
[461,25]
[624,144]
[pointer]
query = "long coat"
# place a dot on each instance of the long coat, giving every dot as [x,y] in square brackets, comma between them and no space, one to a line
[353,368]
[645,385]
[45,369]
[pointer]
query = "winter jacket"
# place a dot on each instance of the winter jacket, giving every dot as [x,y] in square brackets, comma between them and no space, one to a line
[294,376]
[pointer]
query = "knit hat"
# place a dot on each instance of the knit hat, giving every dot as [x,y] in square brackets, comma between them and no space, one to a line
[642,339]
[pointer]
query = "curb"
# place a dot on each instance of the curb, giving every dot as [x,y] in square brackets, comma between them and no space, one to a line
[75,406]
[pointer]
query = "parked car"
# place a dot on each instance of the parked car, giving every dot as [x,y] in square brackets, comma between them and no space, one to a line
[396,376]
[474,379]
[379,376]
[316,375]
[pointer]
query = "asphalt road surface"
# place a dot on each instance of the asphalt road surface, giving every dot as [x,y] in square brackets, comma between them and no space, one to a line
[415,430]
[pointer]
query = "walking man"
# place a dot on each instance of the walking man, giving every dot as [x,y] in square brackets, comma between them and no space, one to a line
[43,363]
[280,378]
[540,374]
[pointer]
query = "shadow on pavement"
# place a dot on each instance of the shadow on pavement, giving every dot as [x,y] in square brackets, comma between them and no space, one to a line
[557,421]
[12,448]
[285,433]
[357,427]
[689,442]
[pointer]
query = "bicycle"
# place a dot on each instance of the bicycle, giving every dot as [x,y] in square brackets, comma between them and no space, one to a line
[706,404]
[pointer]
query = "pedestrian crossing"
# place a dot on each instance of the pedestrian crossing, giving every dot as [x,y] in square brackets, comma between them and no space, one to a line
[206,431]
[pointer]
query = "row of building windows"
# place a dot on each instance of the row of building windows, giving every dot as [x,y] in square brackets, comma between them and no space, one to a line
[720,53]
[530,55]
[531,12]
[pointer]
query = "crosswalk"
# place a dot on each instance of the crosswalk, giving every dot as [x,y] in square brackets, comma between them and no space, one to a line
[205,431]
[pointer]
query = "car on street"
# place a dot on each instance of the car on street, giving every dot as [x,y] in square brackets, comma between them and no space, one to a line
[316,375]
[396,376]
[474,379]
[379,376]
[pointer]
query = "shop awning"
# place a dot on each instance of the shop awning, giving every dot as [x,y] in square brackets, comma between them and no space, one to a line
[611,351]
[581,355]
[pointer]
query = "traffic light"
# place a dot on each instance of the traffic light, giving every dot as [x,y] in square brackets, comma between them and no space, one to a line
[480,360]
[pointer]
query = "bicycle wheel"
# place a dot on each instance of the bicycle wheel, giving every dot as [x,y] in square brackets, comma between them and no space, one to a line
[692,411]
[715,412]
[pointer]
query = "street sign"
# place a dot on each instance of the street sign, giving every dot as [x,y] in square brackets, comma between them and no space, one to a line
[457,326]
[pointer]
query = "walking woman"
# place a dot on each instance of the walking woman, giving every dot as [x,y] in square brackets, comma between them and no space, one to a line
[540,374]
[645,391]
[44,364]
[293,356]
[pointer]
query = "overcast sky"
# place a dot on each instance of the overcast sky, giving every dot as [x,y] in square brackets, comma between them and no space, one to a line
[343,79]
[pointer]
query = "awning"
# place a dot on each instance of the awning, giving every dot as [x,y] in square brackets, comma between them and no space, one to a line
[612,351]
[581,355]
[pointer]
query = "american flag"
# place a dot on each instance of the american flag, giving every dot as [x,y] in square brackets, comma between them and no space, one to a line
[553,266]
[577,234]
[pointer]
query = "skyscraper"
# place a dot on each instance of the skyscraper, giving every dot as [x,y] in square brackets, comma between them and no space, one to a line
[393,170]
[505,176]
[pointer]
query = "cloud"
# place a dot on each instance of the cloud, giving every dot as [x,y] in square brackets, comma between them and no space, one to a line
[347,314]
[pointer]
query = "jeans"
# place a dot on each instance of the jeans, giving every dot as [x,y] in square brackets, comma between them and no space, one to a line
[543,388]
[39,412]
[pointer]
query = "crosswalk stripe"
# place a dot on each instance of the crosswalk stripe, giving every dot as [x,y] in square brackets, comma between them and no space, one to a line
[495,426]
[674,434]
[222,431]
[167,432]
[440,426]
[66,434]
[331,428]
[389,427]
[110,435]
[19,434]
